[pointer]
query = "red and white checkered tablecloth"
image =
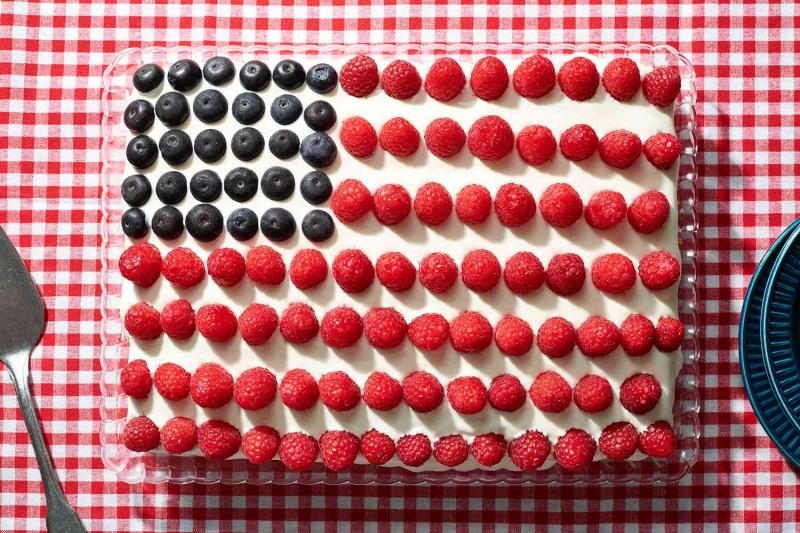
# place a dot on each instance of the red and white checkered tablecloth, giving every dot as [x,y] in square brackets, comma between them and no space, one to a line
[52,55]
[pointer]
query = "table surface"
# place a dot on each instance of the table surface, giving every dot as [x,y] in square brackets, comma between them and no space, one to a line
[52,56]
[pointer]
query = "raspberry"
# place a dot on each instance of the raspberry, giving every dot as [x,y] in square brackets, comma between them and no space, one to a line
[308,269]
[467,395]
[620,148]
[414,450]
[265,266]
[226,267]
[178,435]
[621,79]
[489,449]
[437,272]
[216,322]
[574,451]
[523,273]
[395,272]
[211,386]
[529,451]
[445,80]
[351,200]
[648,212]
[299,323]
[444,137]
[172,381]
[640,393]
[619,440]
[637,335]
[255,389]
[384,327]
[473,204]
[142,322]
[550,392]
[597,337]
[506,393]
[391,204]
[659,270]
[662,149]
[218,440]
[429,332]
[298,451]
[353,271]
[299,391]
[578,78]
[490,138]
[556,337]
[489,78]
[257,324]
[470,332]
[338,449]
[578,142]
[338,391]
[561,205]
[140,434]
[451,450]
[260,444]
[536,145]
[135,379]
[400,80]
[658,440]
[605,210]
[613,273]
[513,336]
[593,394]
[382,392]
[480,270]
[534,77]
[376,447]
[140,264]
[358,137]
[359,76]
[177,320]
[341,327]
[662,85]
[669,334]
[433,204]
[514,205]
[183,268]
[565,274]
[422,391]
[399,137]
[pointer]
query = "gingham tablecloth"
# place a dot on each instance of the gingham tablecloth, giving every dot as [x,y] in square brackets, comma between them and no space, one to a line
[52,56]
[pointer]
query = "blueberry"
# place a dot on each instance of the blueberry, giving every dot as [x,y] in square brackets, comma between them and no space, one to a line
[277,183]
[284,144]
[136,190]
[255,76]
[210,106]
[322,78]
[184,75]
[318,150]
[204,222]
[320,116]
[134,223]
[210,145]
[289,75]
[172,108]
[175,146]
[317,226]
[148,77]
[277,224]
[142,151]
[139,116]
[247,144]
[286,109]
[316,187]
[167,223]
[218,70]
[248,108]
[242,224]
[171,187]
[241,184]
[205,186]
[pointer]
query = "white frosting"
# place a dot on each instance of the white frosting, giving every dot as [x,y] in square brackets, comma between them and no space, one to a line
[415,240]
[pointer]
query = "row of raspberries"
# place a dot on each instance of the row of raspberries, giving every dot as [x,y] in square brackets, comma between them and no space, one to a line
[533,78]
[574,451]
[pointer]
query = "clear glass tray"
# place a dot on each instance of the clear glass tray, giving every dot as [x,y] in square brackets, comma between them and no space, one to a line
[158,467]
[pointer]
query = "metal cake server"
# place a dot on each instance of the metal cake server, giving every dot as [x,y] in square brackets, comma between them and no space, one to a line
[21,326]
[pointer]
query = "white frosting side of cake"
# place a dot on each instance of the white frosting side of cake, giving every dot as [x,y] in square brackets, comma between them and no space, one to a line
[415,240]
